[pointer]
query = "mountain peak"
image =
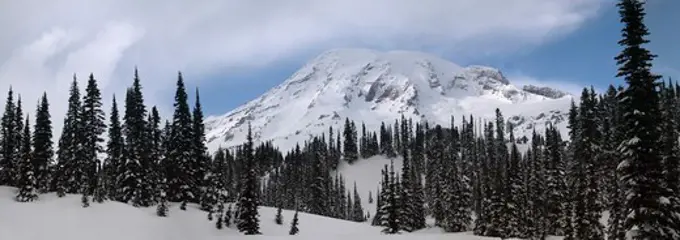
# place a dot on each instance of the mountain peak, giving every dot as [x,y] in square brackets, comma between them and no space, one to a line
[370,86]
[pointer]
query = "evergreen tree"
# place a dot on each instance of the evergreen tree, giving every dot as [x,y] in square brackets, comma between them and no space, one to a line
[200,160]
[358,210]
[137,183]
[248,221]
[43,151]
[390,207]
[27,182]
[556,188]
[350,150]
[515,191]
[69,176]
[456,194]
[279,216]
[99,189]
[85,200]
[180,150]
[162,208]
[156,153]
[294,225]
[8,160]
[18,140]
[227,217]
[652,211]
[407,211]
[587,209]
[113,164]
[611,137]
[92,126]
[435,173]
[670,149]
[219,224]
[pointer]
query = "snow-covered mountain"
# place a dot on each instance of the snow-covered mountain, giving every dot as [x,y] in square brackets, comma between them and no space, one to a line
[373,86]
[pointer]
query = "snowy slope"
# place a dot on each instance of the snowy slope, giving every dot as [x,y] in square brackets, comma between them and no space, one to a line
[372,86]
[64,218]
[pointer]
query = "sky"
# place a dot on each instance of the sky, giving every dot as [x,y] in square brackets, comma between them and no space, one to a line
[235,50]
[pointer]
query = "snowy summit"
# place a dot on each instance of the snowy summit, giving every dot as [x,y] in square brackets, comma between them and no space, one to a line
[373,86]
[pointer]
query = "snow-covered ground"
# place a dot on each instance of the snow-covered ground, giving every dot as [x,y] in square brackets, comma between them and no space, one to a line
[65,219]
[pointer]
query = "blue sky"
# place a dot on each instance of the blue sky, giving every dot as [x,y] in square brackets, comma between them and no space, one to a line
[582,58]
[235,50]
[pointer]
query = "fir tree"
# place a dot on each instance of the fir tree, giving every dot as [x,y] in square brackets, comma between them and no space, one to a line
[43,151]
[113,164]
[587,209]
[227,216]
[137,183]
[162,208]
[515,190]
[156,153]
[248,221]
[350,142]
[456,192]
[408,205]
[69,176]
[556,189]
[670,149]
[99,189]
[92,126]
[652,212]
[358,210]
[200,160]
[27,182]
[8,160]
[85,200]
[180,150]
[279,217]
[219,224]
[18,139]
[294,225]
[390,207]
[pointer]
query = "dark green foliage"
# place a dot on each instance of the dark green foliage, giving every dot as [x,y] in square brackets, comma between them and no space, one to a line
[162,208]
[200,164]
[92,126]
[652,210]
[137,182]
[43,151]
[389,211]
[9,146]
[180,150]
[350,150]
[227,217]
[70,177]
[294,225]
[113,165]
[85,201]
[248,217]
[27,184]
[279,216]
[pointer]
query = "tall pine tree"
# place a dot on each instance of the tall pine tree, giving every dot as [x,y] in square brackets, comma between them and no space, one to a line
[650,212]
[43,151]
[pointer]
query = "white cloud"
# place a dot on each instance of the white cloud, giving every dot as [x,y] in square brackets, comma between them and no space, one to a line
[44,42]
